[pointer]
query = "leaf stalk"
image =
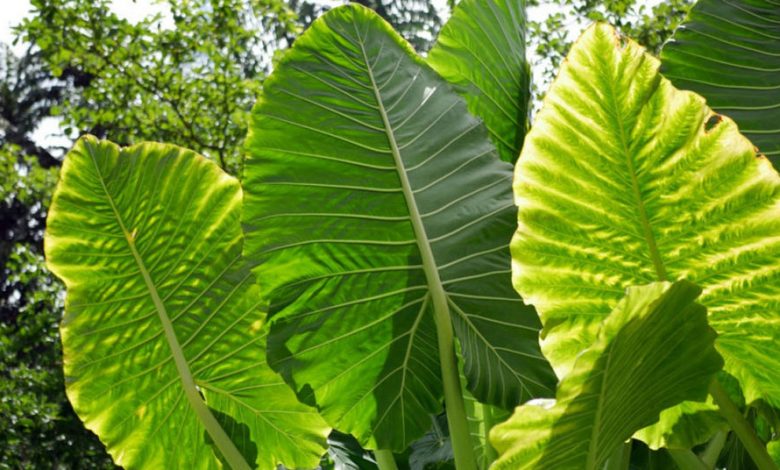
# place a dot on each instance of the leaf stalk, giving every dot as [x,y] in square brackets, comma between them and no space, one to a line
[620,458]
[385,459]
[687,460]
[741,427]
[488,421]
[453,396]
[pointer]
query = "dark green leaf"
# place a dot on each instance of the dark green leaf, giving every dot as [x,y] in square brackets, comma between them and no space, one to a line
[729,52]
[371,196]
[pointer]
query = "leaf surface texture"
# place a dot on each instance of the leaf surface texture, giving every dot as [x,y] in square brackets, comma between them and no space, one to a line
[728,51]
[653,351]
[371,192]
[149,236]
[622,182]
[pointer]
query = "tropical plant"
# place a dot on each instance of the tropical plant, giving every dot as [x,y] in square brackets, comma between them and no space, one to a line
[374,269]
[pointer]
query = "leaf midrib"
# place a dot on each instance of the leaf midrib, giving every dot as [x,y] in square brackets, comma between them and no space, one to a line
[441,312]
[647,231]
[212,426]
[435,285]
[655,257]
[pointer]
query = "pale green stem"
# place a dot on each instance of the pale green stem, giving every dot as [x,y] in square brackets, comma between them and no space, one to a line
[457,422]
[710,455]
[385,460]
[687,460]
[488,423]
[741,428]
[453,397]
[209,422]
[620,458]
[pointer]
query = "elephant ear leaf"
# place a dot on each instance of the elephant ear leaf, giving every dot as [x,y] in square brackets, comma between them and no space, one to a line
[652,352]
[729,52]
[163,338]
[624,181]
[375,201]
[481,52]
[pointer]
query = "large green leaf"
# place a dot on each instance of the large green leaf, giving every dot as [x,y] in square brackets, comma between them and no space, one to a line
[653,351]
[371,195]
[160,309]
[623,181]
[729,52]
[481,52]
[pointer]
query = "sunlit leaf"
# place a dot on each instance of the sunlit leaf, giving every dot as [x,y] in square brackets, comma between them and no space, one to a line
[163,327]
[624,180]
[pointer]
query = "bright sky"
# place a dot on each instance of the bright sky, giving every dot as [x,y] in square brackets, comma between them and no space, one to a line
[16,10]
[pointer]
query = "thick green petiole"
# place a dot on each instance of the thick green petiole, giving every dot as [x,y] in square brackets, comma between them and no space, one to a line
[687,460]
[741,428]
[710,455]
[462,446]
[620,458]
[488,422]
[385,460]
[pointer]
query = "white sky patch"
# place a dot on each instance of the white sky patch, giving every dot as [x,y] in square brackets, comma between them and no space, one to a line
[136,10]
[13,13]
[49,134]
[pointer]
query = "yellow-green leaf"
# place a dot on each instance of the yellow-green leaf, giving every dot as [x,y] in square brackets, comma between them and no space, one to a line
[626,180]
[163,337]
[652,352]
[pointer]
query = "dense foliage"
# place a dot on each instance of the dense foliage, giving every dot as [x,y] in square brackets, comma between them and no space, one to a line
[192,83]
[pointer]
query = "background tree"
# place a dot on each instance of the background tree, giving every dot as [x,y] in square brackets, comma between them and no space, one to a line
[189,84]
[550,38]
[41,429]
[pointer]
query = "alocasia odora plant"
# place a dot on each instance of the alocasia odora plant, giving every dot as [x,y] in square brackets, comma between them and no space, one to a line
[377,212]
